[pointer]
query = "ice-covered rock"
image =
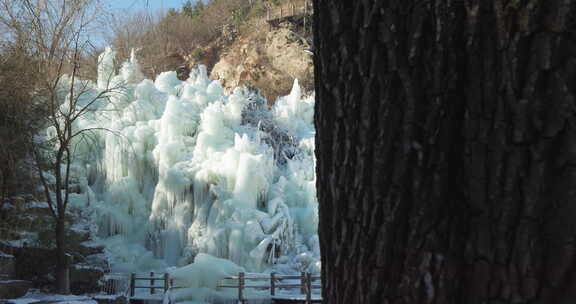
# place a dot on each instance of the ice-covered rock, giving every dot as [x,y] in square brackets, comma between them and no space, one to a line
[176,169]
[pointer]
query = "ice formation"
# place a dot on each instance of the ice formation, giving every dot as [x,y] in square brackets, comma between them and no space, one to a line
[175,170]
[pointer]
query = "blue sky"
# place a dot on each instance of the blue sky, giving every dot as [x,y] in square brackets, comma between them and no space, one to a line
[120,8]
[144,5]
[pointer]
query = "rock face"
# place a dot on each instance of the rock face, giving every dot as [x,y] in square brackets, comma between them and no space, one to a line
[269,60]
[85,279]
[12,289]
[7,266]
[288,52]
[36,264]
[31,251]
[183,72]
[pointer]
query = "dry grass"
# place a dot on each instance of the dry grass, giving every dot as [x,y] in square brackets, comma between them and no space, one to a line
[165,39]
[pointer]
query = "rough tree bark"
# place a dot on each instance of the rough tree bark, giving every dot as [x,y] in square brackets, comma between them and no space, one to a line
[446,147]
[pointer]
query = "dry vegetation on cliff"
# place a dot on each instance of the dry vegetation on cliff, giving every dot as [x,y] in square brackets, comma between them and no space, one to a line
[231,37]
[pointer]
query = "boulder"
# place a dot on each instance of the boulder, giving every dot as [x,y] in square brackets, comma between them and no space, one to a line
[7,265]
[11,235]
[89,248]
[34,263]
[37,208]
[85,278]
[30,222]
[183,72]
[12,289]
[269,60]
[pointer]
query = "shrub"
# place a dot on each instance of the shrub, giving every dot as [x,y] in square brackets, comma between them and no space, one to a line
[197,54]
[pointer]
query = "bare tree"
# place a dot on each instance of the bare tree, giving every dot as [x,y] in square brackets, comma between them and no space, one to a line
[56,34]
[166,38]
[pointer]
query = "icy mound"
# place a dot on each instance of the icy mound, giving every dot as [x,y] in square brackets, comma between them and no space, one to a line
[174,169]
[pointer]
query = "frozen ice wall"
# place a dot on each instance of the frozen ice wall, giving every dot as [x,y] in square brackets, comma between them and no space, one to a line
[178,168]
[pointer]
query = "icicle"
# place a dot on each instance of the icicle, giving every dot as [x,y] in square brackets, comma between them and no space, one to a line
[186,170]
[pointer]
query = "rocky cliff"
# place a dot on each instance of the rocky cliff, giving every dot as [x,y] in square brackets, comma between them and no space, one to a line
[268,57]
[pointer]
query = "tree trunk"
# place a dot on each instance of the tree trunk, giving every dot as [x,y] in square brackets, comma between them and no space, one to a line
[4,180]
[63,261]
[446,150]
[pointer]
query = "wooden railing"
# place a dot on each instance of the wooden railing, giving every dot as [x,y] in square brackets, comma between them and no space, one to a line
[305,285]
[292,9]
[152,285]
[116,283]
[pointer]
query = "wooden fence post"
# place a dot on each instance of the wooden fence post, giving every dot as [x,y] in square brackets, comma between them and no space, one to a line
[272,284]
[166,282]
[152,290]
[132,284]
[308,288]
[241,287]
[302,282]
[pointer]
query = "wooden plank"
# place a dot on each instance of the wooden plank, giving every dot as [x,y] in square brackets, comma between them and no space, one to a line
[256,279]
[288,285]
[295,298]
[289,277]
[278,277]
[251,278]
[228,286]
[285,286]
[179,287]
[257,286]
[155,298]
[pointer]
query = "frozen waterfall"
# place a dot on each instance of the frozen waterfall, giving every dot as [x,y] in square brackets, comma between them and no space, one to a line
[178,168]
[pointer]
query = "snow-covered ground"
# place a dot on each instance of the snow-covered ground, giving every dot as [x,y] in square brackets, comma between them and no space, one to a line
[36,296]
